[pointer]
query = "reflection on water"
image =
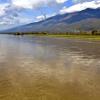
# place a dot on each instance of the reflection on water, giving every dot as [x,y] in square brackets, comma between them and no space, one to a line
[33,68]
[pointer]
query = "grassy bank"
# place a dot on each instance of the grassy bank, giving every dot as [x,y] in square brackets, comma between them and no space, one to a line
[84,37]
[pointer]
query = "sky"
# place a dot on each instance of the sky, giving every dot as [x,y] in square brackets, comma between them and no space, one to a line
[19,12]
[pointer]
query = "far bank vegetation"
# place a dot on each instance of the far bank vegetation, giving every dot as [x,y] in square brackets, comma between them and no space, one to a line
[93,32]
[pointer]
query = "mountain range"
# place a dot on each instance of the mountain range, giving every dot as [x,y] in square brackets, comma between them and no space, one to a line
[85,20]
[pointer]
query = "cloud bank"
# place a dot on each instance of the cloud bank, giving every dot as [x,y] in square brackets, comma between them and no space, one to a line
[10,11]
[81,6]
[32,4]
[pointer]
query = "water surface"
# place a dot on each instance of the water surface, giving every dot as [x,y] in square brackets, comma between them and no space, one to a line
[41,68]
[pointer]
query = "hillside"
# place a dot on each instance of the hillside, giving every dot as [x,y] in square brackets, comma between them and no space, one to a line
[88,19]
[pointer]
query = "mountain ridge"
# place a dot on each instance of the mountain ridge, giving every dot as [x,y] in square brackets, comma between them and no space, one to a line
[85,20]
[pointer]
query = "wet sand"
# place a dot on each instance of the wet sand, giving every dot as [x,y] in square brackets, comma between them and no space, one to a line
[41,68]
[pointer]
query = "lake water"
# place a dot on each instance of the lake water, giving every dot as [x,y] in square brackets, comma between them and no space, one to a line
[41,68]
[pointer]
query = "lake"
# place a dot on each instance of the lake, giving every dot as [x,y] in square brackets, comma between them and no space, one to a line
[43,68]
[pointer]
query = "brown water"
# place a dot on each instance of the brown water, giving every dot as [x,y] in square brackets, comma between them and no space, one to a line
[40,68]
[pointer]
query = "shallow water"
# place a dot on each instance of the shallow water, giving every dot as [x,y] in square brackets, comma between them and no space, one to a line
[41,68]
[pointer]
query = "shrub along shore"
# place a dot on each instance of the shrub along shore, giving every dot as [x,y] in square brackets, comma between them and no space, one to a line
[93,35]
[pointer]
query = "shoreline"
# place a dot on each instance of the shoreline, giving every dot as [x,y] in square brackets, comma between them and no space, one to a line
[64,36]
[79,37]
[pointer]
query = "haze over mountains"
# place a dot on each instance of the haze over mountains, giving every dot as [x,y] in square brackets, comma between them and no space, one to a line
[85,20]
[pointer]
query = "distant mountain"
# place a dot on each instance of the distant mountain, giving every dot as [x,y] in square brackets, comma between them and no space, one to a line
[88,19]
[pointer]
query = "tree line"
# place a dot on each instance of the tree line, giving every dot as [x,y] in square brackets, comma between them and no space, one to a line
[94,32]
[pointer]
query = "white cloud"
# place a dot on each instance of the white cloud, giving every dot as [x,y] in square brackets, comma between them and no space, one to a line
[61,1]
[10,12]
[41,17]
[81,1]
[35,3]
[80,6]
[2,8]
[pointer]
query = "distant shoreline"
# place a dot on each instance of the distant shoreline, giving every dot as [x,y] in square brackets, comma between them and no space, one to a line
[81,37]
[95,37]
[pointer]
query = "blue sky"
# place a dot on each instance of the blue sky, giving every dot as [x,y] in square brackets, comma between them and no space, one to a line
[19,12]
